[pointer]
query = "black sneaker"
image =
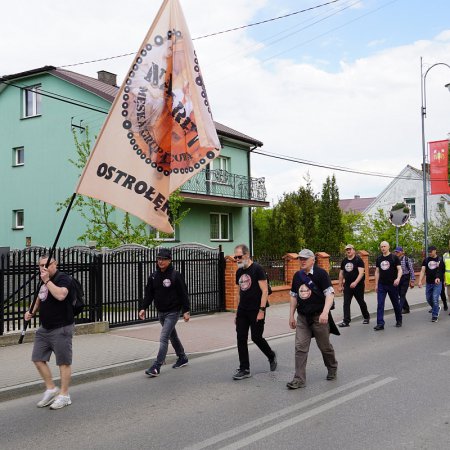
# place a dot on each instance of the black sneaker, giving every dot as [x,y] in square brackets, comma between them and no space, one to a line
[332,374]
[366,321]
[378,327]
[181,362]
[343,324]
[398,324]
[153,371]
[445,308]
[406,311]
[241,374]
[434,319]
[273,362]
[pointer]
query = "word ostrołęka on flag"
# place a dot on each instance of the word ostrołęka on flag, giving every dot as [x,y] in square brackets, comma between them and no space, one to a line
[159,131]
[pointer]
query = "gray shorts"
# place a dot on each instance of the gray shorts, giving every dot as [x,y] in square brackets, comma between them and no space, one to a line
[58,341]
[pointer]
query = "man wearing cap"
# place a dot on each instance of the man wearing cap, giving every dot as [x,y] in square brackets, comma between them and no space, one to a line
[433,269]
[388,273]
[446,259]
[166,287]
[407,280]
[251,311]
[312,296]
[351,279]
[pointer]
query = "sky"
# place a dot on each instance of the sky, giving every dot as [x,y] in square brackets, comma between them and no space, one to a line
[339,85]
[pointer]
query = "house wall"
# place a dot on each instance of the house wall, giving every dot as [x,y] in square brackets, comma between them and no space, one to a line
[47,177]
[408,185]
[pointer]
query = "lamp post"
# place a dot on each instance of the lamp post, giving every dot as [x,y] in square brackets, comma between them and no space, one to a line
[423,111]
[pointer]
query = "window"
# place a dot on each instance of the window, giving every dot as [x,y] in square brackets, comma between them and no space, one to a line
[18,219]
[18,156]
[221,176]
[223,163]
[219,227]
[411,202]
[31,101]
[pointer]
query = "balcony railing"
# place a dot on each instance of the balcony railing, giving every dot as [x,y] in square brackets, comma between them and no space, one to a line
[221,183]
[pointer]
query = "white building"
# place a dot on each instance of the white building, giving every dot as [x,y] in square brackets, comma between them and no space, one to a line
[408,187]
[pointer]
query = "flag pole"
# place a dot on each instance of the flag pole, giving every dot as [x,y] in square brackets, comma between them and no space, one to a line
[52,251]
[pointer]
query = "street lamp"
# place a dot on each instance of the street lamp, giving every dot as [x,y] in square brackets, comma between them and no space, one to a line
[423,111]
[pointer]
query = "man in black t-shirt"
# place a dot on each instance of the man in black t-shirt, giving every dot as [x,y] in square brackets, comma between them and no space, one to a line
[312,297]
[55,333]
[251,312]
[388,273]
[351,279]
[433,268]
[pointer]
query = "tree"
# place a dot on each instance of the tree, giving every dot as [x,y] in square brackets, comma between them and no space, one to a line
[103,224]
[308,203]
[330,229]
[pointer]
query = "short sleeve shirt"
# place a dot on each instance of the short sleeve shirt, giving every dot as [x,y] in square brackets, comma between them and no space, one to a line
[433,268]
[249,291]
[350,269]
[55,313]
[387,266]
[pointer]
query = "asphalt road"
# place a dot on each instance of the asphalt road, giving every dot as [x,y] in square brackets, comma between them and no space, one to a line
[392,392]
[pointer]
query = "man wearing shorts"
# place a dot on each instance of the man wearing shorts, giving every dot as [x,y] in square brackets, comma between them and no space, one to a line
[54,334]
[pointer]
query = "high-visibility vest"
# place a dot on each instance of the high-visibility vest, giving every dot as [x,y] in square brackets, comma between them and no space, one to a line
[446,258]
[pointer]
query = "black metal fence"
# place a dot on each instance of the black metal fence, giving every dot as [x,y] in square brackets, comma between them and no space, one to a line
[274,267]
[113,281]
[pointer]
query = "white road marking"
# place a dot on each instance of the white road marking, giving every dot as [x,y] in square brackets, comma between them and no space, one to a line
[306,415]
[278,414]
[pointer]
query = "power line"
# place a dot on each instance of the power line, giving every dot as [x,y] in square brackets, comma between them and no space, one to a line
[212,34]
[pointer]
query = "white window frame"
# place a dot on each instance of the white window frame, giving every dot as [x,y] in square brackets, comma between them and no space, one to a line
[224,166]
[36,99]
[18,219]
[16,160]
[220,238]
[411,203]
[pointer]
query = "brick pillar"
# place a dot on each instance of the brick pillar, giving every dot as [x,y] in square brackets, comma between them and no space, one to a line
[231,289]
[291,265]
[364,255]
[323,260]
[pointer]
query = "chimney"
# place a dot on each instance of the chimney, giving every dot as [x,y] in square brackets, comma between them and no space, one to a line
[107,77]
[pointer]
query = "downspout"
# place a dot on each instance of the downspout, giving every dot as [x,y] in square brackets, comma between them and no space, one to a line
[250,221]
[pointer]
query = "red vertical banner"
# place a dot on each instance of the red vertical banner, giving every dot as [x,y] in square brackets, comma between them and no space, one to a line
[439,167]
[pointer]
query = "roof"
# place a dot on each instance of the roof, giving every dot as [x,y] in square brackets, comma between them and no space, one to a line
[356,204]
[108,93]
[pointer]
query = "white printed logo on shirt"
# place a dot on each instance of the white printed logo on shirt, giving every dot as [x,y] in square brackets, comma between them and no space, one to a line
[167,282]
[384,265]
[349,267]
[304,292]
[433,265]
[43,293]
[245,282]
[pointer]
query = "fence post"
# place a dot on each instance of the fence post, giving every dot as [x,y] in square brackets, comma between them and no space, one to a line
[291,265]
[364,255]
[231,291]
[2,295]
[98,287]
[323,260]
[221,267]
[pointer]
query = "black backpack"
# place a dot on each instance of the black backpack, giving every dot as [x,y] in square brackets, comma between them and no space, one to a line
[77,297]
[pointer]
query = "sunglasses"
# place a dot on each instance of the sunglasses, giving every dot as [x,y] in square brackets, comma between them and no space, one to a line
[162,259]
[238,257]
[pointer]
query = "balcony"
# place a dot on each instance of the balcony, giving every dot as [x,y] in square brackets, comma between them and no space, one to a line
[220,183]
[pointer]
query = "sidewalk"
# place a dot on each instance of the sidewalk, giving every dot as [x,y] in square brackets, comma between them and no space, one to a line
[132,348]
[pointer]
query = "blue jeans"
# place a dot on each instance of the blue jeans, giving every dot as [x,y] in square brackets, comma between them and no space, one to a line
[382,291]
[432,293]
[168,320]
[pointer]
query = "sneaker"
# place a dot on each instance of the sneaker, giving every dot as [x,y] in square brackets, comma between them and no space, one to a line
[430,311]
[434,319]
[445,308]
[366,321]
[153,371]
[398,324]
[378,327]
[61,401]
[332,374]
[406,311]
[181,362]
[47,399]
[241,374]
[439,311]
[296,384]
[273,362]
[343,324]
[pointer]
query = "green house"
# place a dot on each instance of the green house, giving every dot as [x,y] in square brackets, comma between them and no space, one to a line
[39,111]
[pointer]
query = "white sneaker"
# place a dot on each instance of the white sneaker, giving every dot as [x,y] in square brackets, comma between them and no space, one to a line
[61,401]
[47,399]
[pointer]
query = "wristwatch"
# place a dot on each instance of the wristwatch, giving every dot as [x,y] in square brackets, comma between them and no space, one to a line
[262,308]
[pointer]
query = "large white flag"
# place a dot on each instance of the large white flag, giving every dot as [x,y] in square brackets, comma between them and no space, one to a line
[159,131]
